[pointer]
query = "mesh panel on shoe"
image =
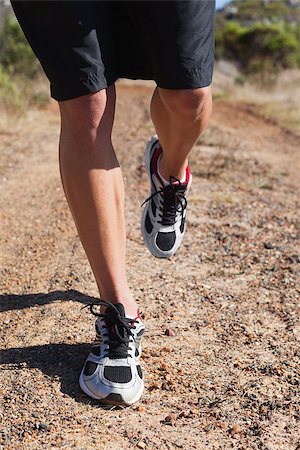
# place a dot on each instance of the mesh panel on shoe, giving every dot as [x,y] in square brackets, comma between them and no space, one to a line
[153,207]
[118,374]
[182,225]
[96,351]
[90,368]
[165,241]
[139,371]
[148,224]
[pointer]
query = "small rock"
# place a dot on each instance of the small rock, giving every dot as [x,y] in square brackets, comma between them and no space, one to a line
[165,366]
[170,332]
[141,444]
[43,426]
[264,409]
[186,414]
[166,349]
[153,386]
[170,419]
[268,245]
[234,430]
[140,408]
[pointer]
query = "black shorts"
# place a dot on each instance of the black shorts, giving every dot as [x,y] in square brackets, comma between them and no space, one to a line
[85,46]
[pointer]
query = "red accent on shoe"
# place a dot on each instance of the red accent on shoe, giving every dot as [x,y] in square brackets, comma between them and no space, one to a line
[154,168]
[138,317]
[187,174]
[154,164]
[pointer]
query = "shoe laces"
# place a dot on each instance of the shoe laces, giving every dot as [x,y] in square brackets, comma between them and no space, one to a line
[174,201]
[118,330]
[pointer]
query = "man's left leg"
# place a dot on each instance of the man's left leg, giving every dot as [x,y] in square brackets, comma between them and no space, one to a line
[179,117]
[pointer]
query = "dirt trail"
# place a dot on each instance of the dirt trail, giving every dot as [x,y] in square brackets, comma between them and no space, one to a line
[228,378]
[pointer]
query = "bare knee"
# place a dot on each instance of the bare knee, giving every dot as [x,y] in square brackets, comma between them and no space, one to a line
[85,117]
[187,104]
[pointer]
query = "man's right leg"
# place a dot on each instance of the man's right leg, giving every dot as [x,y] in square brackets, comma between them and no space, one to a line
[93,186]
[73,42]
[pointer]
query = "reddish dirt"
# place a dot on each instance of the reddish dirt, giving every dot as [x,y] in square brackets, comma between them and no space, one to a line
[229,378]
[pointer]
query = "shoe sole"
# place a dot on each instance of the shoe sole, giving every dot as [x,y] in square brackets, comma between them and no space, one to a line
[153,250]
[113,398]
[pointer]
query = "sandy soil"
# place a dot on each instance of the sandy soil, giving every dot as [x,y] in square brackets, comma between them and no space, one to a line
[229,377]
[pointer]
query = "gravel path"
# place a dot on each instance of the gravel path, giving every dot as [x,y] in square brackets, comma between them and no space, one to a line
[228,376]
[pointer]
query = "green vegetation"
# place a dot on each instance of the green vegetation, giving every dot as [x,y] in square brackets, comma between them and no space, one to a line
[16,56]
[262,37]
[19,70]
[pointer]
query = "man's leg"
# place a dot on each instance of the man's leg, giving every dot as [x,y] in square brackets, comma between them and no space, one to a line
[93,186]
[179,117]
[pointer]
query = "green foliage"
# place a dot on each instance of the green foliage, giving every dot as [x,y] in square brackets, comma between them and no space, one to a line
[257,10]
[16,55]
[261,44]
[10,96]
[263,37]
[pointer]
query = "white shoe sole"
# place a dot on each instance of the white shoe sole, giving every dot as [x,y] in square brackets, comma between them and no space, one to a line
[108,400]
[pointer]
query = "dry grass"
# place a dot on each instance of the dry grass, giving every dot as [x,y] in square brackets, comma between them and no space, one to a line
[17,96]
[279,101]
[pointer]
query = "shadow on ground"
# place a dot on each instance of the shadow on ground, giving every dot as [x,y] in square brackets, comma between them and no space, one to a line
[62,361]
[10,302]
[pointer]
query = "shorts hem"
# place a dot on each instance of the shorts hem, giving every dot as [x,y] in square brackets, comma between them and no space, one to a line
[197,78]
[70,89]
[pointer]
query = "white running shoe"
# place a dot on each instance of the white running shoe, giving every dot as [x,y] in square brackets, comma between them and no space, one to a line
[112,371]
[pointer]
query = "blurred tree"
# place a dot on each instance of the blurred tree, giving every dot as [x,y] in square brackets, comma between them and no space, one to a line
[261,36]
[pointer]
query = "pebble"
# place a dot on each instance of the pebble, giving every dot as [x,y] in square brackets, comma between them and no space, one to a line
[170,419]
[167,349]
[264,409]
[268,245]
[42,426]
[165,366]
[170,332]
[235,430]
[186,414]
[140,408]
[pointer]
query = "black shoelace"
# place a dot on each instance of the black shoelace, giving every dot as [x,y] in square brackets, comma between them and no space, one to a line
[118,329]
[174,201]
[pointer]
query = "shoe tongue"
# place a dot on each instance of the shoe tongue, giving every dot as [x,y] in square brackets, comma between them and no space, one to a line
[119,307]
[175,186]
[180,187]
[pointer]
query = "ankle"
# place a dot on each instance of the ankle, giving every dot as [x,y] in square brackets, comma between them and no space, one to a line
[166,171]
[131,308]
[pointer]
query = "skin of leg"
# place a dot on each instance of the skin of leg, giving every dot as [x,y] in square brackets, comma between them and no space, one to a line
[179,117]
[93,185]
